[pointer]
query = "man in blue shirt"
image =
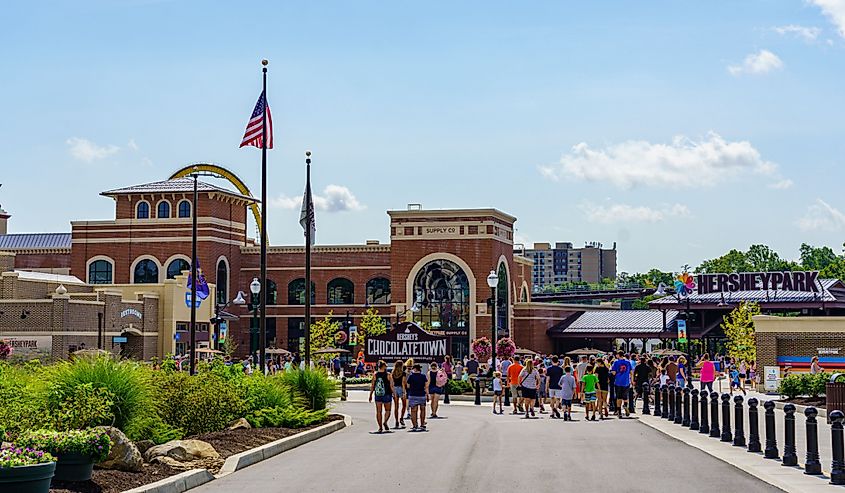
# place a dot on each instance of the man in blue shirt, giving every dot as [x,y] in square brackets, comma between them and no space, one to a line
[621,371]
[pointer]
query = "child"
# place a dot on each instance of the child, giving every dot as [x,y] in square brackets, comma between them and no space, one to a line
[664,378]
[465,376]
[588,383]
[735,381]
[541,391]
[567,388]
[497,392]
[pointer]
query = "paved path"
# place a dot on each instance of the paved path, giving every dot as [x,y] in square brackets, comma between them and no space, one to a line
[475,451]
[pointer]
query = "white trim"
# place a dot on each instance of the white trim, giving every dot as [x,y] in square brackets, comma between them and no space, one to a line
[527,290]
[409,282]
[178,204]
[174,257]
[135,262]
[169,209]
[228,276]
[173,220]
[149,210]
[94,259]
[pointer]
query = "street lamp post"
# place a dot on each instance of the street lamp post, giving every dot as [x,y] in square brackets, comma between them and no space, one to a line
[493,282]
[219,307]
[255,289]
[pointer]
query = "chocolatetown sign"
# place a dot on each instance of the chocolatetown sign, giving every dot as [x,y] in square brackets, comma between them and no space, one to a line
[407,340]
[806,281]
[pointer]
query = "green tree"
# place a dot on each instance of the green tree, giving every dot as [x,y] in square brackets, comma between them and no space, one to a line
[739,329]
[323,332]
[372,324]
[813,258]
[758,258]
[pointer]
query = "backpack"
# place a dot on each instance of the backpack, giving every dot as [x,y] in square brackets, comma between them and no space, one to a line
[380,390]
[441,379]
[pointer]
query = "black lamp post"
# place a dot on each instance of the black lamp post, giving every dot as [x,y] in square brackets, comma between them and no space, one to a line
[219,307]
[493,282]
[255,289]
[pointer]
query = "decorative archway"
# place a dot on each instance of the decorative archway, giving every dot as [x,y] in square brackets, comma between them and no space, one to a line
[409,284]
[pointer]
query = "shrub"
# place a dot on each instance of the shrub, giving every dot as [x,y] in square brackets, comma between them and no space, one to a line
[126,382]
[288,417]
[199,404]
[458,386]
[83,406]
[313,385]
[791,386]
[817,384]
[94,443]
[153,428]
[16,457]
[21,399]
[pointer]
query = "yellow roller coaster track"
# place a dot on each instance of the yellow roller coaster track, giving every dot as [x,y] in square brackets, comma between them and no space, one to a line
[207,169]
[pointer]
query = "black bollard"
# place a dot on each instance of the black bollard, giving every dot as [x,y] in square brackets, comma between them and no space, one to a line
[812,465]
[657,393]
[664,412]
[477,391]
[646,394]
[693,422]
[837,469]
[739,428]
[753,427]
[446,393]
[705,422]
[726,418]
[343,389]
[671,416]
[686,421]
[790,457]
[771,451]
[632,399]
[612,397]
[679,406]
[507,396]
[714,415]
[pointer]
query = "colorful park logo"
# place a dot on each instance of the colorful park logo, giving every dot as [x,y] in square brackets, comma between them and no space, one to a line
[340,337]
[684,284]
[202,288]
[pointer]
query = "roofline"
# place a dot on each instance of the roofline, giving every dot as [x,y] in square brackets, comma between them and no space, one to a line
[451,213]
[118,192]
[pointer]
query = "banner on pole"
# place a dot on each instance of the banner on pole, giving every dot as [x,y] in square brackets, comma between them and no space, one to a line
[682,330]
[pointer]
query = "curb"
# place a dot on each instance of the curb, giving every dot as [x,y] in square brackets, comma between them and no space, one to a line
[244,459]
[191,479]
[176,484]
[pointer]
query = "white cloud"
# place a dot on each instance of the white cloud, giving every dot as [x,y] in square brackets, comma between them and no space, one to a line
[85,150]
[822,216]
[132,145]
[626,213]
[762,62]
[335,198]
[782,184]
[835,11]
[683,162]
[804,32]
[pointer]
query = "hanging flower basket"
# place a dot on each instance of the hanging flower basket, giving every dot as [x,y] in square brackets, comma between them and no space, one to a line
[505,347]
[24,470]
[482,348]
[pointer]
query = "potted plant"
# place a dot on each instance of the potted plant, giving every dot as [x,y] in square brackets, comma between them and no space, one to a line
[24,470]
[76,451]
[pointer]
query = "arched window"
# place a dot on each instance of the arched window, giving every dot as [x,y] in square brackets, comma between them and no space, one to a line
[163,211]
[341,292]
[100,272]
[523,295]
[222,282]
[184,209]
[146,272]
[143,210]
[378,291]
[176,267]
[503,301]
[270,292]
[442,302]
[296,292]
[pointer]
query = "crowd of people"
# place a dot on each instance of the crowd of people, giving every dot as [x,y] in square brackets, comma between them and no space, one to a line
[602,384]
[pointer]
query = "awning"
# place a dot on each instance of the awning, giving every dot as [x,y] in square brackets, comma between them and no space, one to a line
[617,323]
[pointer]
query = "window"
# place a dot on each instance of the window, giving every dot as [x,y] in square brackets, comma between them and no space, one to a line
[378,291]
[341,292]
[146,272]
[177,266]
[163,210]
[222,282]
[143,211]
[100,272]
[296,292]
[502,302]
[270,293]
[184,209]
[441,296]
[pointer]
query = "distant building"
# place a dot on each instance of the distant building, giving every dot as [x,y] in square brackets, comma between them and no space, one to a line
[564,263]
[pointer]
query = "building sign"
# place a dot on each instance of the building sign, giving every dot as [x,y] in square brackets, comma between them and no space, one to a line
[827,350]
[133,312]
[772,375]
[119,339]
[30,346]
[682,330]
[407,340]
[440,230]
[806,281]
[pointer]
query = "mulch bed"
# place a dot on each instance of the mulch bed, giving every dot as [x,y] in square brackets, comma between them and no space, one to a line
[819,402]
[226,443]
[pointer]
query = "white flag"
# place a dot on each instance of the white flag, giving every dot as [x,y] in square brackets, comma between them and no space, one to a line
[306,215]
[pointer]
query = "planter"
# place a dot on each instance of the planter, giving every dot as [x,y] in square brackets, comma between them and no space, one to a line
[27,479]
[74,467]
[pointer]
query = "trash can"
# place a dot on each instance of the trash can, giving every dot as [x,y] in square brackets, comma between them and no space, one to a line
[835,394]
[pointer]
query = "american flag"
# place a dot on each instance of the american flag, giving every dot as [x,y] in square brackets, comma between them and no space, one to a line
[254,134]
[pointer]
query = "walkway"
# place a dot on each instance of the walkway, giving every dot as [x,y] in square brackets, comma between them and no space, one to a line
[474,451]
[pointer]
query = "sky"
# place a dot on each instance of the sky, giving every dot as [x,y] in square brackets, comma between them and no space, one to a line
[678,130]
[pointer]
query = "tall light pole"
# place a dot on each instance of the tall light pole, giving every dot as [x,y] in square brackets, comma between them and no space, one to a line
[493,282]
[255,289]
[193,351]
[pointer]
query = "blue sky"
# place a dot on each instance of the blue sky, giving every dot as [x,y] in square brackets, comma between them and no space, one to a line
[677,129]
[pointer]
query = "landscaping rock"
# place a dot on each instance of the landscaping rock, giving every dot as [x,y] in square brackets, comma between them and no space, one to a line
[240,424]
[144,445]
[124,455]
[182,450]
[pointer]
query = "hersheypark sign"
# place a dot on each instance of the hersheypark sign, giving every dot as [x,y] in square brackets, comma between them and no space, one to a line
[806,281]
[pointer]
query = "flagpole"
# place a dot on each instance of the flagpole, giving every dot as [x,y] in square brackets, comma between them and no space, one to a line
[310,215]
[262,336]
